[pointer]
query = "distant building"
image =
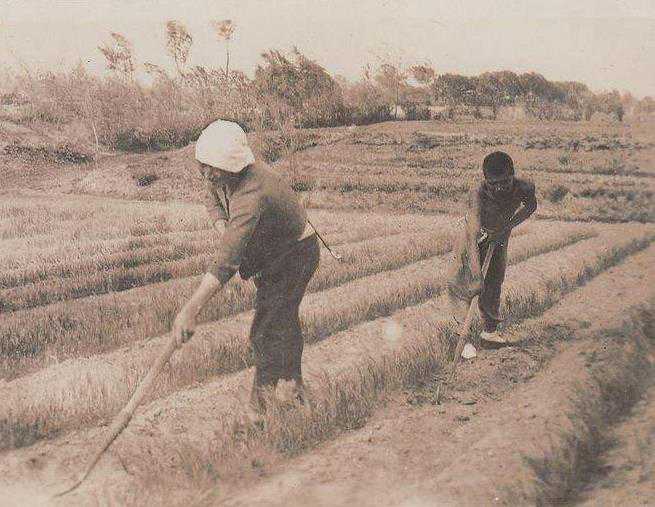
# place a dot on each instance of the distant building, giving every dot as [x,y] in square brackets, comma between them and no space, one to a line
[437,111]
[399,113]
[514,112]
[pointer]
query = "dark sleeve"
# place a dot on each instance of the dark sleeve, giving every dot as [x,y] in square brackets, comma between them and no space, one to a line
[245,212]
[214,205]
[528,195]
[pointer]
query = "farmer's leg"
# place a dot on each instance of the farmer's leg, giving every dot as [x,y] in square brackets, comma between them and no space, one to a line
[265,375]
[489,302]
[277,338]
[301,270]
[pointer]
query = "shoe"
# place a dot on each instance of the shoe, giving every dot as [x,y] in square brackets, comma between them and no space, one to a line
[494,337]
[469,351]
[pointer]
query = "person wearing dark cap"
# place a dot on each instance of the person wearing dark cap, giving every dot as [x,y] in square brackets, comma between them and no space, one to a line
[498,204]
[267,237]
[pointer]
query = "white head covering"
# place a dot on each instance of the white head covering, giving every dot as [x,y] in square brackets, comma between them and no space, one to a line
[224,145]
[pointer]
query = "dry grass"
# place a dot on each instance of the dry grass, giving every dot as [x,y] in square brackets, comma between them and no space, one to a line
[350,387]
[104,322]
[153,259]
[77,393]
[28,219]
[616,381]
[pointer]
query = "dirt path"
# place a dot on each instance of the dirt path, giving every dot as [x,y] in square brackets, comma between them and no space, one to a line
[470,449]
[626,474]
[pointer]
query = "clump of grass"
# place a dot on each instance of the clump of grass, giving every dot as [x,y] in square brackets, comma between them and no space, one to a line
[274,145]
[616,166]
[556,193]
[65,153]
[144,179]
[303,183]
[616,383]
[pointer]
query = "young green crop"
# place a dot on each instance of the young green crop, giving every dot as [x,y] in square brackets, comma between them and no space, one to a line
[353,369]
[101,323]
[86,389]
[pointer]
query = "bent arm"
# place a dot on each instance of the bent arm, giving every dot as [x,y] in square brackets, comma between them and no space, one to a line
[529,206]
[230,252]
[205,291]
[245,212]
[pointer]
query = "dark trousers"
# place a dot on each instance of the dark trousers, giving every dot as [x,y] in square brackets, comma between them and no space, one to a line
[460,278]
[275,335]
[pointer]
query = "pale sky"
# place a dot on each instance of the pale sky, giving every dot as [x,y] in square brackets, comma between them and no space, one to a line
[604,43]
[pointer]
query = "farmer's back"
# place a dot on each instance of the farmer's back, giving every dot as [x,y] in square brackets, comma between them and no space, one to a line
[262,203]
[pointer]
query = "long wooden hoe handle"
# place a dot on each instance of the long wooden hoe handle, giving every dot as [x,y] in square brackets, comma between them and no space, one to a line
[123,418]
[466,326]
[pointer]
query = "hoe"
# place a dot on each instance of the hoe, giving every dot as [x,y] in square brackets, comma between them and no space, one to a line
[465,328]
[125,415]
[123,418]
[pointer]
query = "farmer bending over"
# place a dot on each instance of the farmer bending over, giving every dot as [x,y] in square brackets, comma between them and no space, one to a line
[266,237]
[496,205]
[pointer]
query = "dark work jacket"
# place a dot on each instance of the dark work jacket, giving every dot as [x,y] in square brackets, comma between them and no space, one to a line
[264,219]
[493,212]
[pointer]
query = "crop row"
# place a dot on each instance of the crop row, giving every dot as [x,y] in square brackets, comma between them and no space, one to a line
[119,272]
[59,257]
[348,372]
[101,218]
[35,263]
[108,234]
[449,185]
[85,389]
[100,323]
[99,274]
[105,256]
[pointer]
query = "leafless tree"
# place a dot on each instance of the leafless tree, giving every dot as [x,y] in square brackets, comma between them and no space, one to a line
[224,30]
[178,43]
[118,54]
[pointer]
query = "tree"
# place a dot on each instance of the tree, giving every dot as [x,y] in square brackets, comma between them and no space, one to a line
[453,89]
[178,44]
[645,106]
[537,85]
[224,30]
[509,85]
[366,102]
[302,85]
[610,103]
[417,99]
[423,74]
[576,94]
[393,82]
[118,54]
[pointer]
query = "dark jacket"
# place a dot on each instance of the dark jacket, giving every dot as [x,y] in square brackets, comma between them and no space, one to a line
[264,219]
[494,213]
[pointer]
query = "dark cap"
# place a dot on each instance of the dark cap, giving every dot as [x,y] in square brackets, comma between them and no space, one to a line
[497,163]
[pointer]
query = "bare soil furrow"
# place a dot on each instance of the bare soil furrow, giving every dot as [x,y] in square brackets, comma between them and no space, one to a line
[87,389]
[470,449]
[175,423]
